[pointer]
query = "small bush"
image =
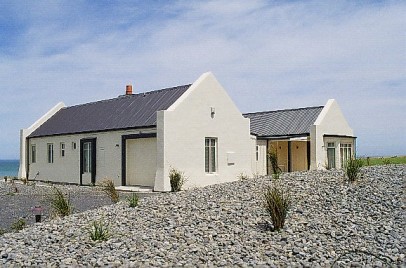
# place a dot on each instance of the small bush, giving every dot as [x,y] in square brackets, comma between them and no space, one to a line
[243,177]
[386,162]
[273,159]
[18,225]
[60,205]
[133,200]
[2,231]
[99,231]
[277,203]
[353,168]
[177,179]
[110,190]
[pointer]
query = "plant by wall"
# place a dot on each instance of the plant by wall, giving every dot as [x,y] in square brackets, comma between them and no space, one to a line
[133,200]
[60,205]
[109,189]
[177,179]
[353,168]
[277,203]
[99,231]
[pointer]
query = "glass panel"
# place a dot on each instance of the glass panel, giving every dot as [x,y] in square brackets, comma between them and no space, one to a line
[213,159]
[331,158]
[87,156]
[206,157]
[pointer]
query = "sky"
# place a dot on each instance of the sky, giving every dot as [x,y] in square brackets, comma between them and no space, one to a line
[268,55]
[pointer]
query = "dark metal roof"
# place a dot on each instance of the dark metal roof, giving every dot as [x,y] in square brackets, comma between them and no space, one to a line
[123,112]
[289,122]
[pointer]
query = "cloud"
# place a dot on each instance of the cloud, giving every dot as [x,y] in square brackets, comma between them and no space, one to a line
[268,55]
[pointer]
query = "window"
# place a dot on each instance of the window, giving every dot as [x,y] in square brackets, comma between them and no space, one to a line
[73,145]
[62,149]
[331,155]
[345,153]
[210,155]
[257,152]
[50,153]
[33,153]
[87,156]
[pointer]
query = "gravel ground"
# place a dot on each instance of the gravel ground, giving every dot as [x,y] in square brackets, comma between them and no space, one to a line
[18,205]
[357,224]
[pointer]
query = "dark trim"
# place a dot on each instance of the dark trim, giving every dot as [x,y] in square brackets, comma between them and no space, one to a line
[27,151]
[277,137]
[338,136]
[308,155]
[124,139]
[93,160]
[289,156]
[266,157]
[93,131]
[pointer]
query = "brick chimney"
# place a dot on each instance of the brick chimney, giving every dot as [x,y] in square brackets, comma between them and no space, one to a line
[128,89]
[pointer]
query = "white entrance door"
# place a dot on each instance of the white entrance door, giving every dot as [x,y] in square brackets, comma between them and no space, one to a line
[141,161]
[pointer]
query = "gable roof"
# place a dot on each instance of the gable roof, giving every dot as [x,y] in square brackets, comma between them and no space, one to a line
[123,112]
[290,122]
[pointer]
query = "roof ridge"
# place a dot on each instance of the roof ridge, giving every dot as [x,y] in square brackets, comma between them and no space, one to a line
[132,95]
[284,110]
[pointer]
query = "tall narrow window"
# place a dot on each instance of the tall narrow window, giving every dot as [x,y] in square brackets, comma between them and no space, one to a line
[345,153]
[87,156]
[50,153]
[331,155]
[62,149]
[210,155]
[33,153]
[257,152]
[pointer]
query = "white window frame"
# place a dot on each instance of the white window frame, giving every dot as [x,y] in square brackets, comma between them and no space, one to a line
[210,154]
[50,153]
[33,153]
[87,157]
[63,150]
[345,153]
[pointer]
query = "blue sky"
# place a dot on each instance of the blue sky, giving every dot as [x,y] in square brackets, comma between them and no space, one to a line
[267,54]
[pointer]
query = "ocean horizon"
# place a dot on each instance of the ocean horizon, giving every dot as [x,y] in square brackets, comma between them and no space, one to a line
[9,168]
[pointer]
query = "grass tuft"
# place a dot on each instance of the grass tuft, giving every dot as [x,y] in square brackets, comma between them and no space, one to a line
[110,190]
[133,200]
[61,205]
[99,231]
[18,225]
[277,203]
[177,179]
[353,168]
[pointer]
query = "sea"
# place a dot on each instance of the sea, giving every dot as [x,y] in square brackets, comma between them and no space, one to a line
[9,168]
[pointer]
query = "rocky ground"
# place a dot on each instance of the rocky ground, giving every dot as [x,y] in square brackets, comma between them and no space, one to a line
[331,222]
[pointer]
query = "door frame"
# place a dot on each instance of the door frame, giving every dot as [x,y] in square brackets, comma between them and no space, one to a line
[124,139]
[92,159]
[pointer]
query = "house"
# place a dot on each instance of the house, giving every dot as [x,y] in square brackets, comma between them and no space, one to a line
[135,139]
[303,139]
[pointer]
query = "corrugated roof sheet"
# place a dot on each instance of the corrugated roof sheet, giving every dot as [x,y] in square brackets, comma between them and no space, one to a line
[283,122]
[123,112]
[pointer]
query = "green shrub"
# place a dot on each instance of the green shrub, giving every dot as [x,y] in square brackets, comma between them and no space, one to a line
[133,200]
[177,179]
[110,189]
[2,231]
[99,231]
[18,225]
[60,205]
[386,162]
[353,168]
[277,203]
[273,159]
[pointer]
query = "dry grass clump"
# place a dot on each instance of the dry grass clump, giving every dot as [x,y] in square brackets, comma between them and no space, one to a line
[109,189]
[277,202]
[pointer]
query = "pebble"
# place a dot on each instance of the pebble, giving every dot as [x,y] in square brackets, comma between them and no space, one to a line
[331,221]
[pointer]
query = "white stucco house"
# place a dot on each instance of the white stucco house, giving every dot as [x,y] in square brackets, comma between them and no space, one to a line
[135,139]
[304,138]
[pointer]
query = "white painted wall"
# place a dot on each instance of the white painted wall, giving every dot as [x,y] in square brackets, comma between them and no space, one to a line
[259,167]
[181,132]
[24,133]
[67,169]
[330,121]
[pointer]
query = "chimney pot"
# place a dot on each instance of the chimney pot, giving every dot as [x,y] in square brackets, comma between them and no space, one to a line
[129,90]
